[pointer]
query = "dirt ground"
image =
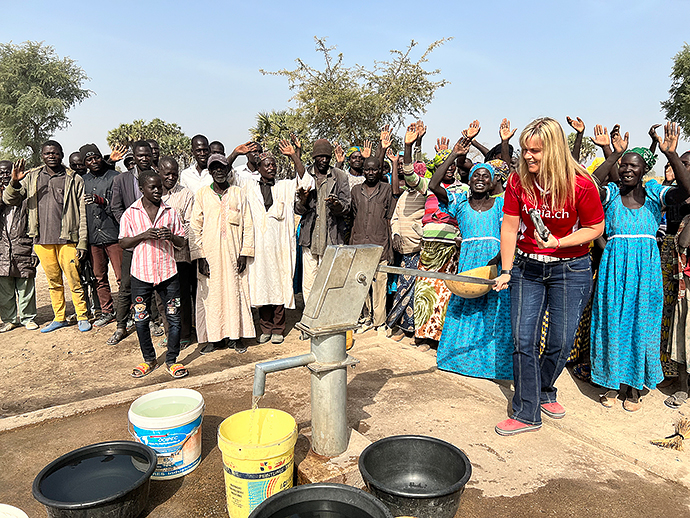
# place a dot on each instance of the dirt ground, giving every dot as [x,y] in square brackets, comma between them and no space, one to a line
[45,370]
[66,389]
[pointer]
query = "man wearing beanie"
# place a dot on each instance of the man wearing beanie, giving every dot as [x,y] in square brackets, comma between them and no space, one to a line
[103,227]
[323,206]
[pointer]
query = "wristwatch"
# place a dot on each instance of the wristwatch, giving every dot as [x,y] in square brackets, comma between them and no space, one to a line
[503,272]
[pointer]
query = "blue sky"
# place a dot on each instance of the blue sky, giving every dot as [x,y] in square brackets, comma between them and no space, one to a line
[197,63]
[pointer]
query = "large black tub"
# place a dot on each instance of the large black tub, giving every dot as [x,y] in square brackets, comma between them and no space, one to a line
[108,479]
[317,500]
[414,475]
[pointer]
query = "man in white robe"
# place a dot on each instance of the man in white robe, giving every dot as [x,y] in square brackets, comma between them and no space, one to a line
[271,271]
[222,239]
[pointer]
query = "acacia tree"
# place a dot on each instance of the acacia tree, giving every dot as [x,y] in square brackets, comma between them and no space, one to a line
[272,127]
[677,106]
[37,89]
[350,104]
[170,138]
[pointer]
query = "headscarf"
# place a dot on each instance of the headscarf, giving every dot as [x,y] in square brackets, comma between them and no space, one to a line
[482,165]
[595,164]
[437,161]
[501,169]
[648,157]
[349,152]
[419,168]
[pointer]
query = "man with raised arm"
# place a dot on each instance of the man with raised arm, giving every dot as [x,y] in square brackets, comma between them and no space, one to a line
[57,224]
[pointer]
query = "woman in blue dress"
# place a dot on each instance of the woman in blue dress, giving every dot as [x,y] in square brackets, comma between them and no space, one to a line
[477,339]
[628,302]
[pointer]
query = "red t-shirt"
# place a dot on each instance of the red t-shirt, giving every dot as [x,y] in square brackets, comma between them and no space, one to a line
[585,212]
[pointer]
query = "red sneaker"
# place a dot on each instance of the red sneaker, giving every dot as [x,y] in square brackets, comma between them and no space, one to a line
[514,427]
[554,410]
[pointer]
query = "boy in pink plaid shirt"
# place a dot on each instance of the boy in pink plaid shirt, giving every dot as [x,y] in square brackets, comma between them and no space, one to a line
[153,229]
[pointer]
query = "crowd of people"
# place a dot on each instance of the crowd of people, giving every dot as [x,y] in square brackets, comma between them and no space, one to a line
[602,286]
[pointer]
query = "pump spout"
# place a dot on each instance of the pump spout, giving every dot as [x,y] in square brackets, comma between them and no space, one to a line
[261,369]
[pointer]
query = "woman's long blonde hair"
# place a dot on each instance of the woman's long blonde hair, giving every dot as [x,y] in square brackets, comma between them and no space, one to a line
[558,168]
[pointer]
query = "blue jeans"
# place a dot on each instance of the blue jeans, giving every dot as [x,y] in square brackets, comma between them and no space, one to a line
[564,289]
[169,292]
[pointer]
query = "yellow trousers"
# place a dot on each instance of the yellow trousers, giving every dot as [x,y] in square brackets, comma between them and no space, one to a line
[57,260]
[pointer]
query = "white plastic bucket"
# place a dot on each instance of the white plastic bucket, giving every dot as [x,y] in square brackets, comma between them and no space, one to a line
[169,421]
[8,511]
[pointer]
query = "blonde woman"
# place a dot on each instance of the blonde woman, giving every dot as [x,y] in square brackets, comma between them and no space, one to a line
[553,274]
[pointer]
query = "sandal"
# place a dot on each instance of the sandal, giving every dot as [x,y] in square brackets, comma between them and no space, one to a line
[608,399]
[177,370]
[676,400]
[117,337]
[143,369]
[631,405]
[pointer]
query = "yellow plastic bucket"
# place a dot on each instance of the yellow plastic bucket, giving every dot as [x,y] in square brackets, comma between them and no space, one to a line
[258,448]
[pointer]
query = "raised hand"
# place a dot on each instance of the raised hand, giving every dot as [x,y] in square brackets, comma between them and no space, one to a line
[504,130]
[391,156]
[117,152]
[298,145]
[653,134]
[421,129]
[576,124]
[339,153]
[473,130]
[366,149]
[247,147]
[441,144]
[462,146]
[19,170]
[620,144]
[601,136]
[286,148]
[671,136]
[386,137]
[411,133]
[296,142]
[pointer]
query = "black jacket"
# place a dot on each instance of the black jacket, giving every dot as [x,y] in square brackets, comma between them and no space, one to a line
[103,227]
[16,247]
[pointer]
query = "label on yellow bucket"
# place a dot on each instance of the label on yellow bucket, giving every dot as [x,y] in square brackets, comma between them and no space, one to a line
[258,449]
[248,483]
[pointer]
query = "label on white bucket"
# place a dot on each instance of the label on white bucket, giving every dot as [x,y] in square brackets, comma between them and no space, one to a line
[178,449]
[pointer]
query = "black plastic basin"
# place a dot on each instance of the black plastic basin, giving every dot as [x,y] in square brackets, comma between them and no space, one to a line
[108,479]
[319,500]
[414,475]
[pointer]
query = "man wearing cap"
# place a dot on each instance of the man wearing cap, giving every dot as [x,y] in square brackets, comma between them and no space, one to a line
[103,227]
[196,175]
[222,239]
[323,205]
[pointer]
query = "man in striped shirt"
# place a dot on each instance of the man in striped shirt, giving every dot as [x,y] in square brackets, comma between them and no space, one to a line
[153,229]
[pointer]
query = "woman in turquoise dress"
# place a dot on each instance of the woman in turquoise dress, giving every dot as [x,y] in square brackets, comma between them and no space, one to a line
[628,302]
[477,339]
